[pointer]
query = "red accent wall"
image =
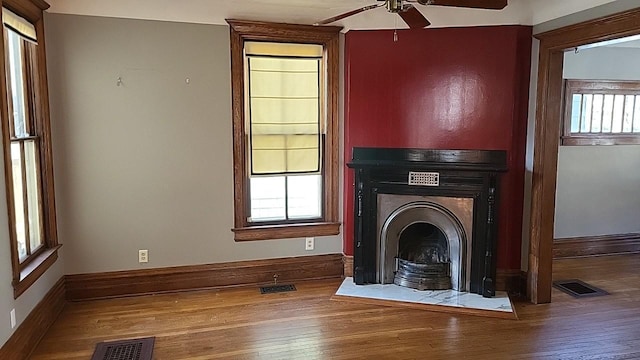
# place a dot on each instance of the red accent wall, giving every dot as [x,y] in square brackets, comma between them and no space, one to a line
[447,88]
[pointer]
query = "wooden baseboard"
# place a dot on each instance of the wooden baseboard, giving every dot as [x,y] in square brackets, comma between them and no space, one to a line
[25,339]
[596,245]
[211,276]
[347,260]
[512,281]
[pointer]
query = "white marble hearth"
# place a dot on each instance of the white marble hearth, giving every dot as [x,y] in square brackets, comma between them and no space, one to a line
[450,300]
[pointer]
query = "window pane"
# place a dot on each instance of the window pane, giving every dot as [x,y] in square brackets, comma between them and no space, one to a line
[596,117]
[627,123]
[585,121]
[18,203]
[305,193]
[618,108]
[268,198]
[33,194]
[607,113]
[16,83]
[575,112]
[636,115]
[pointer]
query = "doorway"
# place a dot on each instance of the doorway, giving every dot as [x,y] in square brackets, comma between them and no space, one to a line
[549,107]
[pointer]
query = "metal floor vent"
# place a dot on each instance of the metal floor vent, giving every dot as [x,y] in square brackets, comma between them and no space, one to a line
[578,289]
[276,289]
[133,349]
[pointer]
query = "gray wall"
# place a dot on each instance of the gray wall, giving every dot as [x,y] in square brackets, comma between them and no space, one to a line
[597,191]
[604,63]
[30,298]
[148,164]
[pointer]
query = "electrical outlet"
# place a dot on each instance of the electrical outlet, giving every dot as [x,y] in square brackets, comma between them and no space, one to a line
[309,243]
[143,256]
[12,315]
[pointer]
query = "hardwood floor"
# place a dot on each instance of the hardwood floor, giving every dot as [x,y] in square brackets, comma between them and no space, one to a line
[306,324]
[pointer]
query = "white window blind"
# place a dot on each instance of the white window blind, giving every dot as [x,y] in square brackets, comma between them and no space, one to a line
[19,25]
[284,107]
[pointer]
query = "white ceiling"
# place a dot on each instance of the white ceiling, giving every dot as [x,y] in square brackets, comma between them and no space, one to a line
[524,12]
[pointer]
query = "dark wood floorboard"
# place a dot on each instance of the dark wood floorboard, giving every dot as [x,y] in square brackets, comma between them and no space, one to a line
[306,324]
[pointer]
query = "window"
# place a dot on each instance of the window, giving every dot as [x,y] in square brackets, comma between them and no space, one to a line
[27,148]
[599,112]
[285,88]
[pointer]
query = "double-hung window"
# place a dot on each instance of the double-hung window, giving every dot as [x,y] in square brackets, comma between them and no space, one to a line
[27,148]
[283,87]
[284,83]
[601,112]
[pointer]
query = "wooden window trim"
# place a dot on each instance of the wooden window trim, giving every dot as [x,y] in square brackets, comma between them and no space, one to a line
[613,87]
[25,274]
[327,36]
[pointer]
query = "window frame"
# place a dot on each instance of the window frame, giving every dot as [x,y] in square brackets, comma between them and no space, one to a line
[37,104]
[328,37]
[607,87]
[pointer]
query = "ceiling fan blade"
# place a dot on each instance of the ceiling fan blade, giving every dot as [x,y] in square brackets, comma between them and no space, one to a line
[414,18]
[347,14]
[478,4]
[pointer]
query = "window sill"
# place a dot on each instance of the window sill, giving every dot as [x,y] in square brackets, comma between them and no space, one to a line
[270,232]
[34,270]
[600,139]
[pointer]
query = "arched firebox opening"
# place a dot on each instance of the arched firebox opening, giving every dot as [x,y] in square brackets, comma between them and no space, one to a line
[424,244]
[423,258]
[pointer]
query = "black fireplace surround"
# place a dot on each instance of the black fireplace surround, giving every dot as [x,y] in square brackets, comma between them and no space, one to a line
[462,174]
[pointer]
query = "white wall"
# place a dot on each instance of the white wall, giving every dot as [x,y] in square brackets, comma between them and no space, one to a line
[597,190]
[569,12]
[148,164]
[546,10]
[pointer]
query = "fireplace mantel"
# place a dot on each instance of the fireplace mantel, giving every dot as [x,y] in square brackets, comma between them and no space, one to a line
[461,173]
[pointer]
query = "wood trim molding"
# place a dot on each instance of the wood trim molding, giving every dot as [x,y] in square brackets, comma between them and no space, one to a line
[34,270]
[24,274]
[271,232]
[29,9]
[347,260]
[596,245]
[513,281]
[25,339]
[548,131]
[328,37]
[210,276]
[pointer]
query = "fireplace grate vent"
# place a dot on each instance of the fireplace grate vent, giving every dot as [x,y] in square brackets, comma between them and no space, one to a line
[578,289]
[424,178]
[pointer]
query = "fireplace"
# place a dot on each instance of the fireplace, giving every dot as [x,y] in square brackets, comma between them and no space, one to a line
[426,219]
[423,241]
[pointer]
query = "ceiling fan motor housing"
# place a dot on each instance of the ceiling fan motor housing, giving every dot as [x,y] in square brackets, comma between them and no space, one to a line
[396,6]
